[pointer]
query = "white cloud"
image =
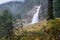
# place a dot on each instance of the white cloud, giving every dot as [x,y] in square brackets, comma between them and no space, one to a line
[4,1]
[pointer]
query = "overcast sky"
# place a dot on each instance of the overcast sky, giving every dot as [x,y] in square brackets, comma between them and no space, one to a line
[4,1]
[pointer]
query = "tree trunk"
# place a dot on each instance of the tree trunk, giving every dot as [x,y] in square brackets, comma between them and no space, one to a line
[50,10]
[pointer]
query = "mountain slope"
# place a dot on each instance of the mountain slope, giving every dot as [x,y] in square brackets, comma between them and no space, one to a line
[17,7]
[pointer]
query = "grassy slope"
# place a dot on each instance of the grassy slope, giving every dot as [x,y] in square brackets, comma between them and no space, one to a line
[35,27]
[44,24]
[51,30]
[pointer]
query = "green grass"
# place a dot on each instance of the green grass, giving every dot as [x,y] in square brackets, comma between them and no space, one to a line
[44,30]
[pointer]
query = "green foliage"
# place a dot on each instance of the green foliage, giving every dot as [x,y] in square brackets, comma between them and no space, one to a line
[56,6]
[5,23]
[52,32]
[54,29]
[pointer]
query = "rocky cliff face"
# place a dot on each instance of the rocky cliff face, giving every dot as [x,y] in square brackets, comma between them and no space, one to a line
[26,9]
[42,13]
[17,7]
[44,8]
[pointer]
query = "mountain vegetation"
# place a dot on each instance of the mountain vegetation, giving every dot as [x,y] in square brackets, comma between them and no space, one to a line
[56,7]
[43,30]
[6,27]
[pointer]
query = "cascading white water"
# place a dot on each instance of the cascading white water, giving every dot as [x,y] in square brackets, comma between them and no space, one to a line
[35,16]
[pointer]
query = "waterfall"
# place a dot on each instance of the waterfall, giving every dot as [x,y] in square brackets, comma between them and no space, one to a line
[35,16]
